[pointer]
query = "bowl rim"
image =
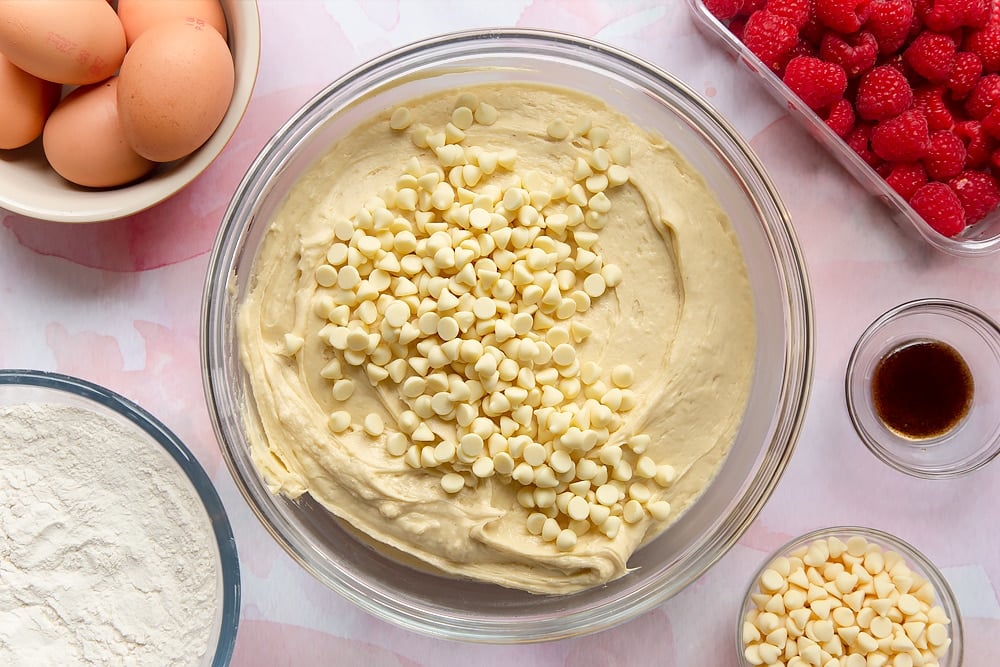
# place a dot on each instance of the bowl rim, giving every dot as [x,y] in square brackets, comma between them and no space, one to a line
[913,556]
[932,306]
[178,451]
[796,300]
[189,168]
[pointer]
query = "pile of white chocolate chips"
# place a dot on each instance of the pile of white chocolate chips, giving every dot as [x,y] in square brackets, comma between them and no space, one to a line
[844,604]
[497,330]
[473,318]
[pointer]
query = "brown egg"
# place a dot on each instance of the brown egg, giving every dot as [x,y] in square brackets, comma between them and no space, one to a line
[84,143]
[65,41]
[175,86]
[137,16]
[27,102]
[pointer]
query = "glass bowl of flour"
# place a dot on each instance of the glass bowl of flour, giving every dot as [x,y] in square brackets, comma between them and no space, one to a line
[114,545]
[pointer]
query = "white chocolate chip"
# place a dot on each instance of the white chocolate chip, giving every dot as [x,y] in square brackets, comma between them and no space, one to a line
[660,510]
[339,421]
[622,376]
[598,136]
[452,482]
[633,511]
[558,130]
[486,114]
[400,119]
[396,444]
[293,343]
[566,540]
[343,389]
[373,425]
[462,117]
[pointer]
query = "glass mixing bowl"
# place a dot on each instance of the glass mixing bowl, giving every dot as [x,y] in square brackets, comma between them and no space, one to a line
[655,100]
[20,387]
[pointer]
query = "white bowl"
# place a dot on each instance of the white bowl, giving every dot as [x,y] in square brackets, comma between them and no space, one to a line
[29,186]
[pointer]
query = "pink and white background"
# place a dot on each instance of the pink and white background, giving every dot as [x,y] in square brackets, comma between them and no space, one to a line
[118,303]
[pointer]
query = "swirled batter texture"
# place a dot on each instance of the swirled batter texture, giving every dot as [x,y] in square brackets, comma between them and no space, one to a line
[504,330]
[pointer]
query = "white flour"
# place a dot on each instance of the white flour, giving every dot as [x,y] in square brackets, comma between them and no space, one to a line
[106,554]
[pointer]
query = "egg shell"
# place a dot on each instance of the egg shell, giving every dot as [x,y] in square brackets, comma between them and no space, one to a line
[84,142]
[138,16]
[26,102]
[175,87]
[64,41]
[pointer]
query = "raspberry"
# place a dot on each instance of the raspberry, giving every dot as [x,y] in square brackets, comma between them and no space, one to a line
[964,75]
[840,117]
[884,169]
[813,30]
[897,63]
[932,56]
[978,13]
[771,38]
[723,9]
[751,6]
[940,207]
[985,43]
[978,146]
[859,139]
[818,83]
[737,26]
[890,22]
[904,138]
[978,192]
[991,124]
[855,53]
[930,100]
[796,11]
[946,156]
[844,16]
[906,178]
[801,48]
[883,93]
[945,15]
[920,10]
[984,97]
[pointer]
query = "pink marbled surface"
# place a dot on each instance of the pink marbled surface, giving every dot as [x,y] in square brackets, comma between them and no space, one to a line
[118,303]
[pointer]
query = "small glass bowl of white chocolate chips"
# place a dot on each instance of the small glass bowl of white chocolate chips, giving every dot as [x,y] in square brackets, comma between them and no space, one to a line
[849,597]
[462,289]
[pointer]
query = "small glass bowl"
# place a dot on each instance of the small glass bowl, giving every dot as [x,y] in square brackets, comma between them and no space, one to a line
[30,386]
[972,442]
[916,561]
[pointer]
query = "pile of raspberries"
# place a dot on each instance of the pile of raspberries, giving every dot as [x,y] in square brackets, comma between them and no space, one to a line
[913,86]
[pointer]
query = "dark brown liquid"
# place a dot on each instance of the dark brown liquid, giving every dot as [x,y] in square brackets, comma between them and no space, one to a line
[922,389]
